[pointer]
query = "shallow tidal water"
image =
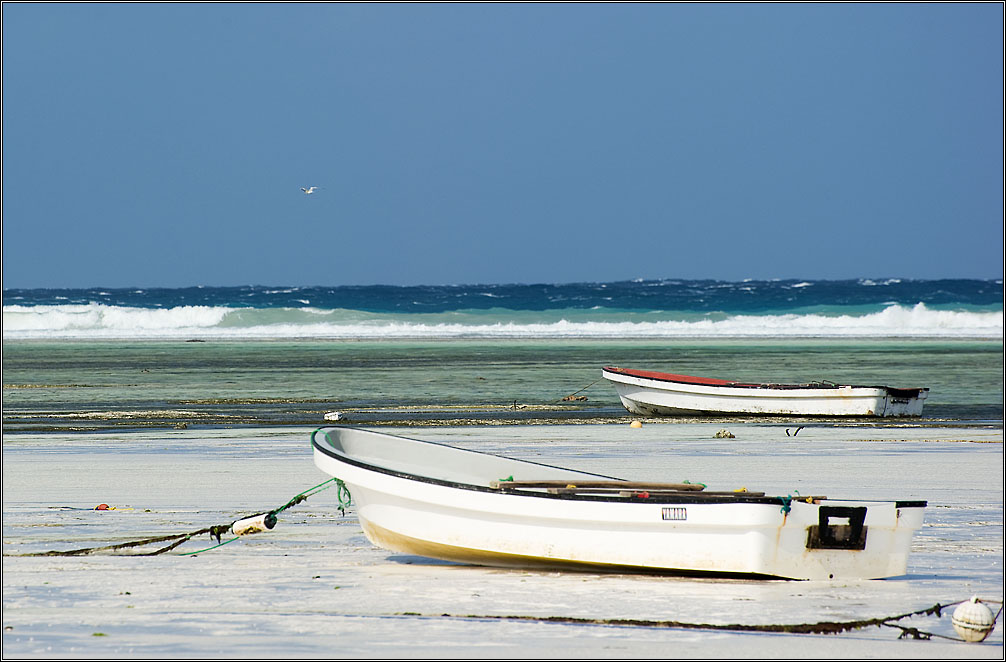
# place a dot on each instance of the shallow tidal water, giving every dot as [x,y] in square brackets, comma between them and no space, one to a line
[93,385]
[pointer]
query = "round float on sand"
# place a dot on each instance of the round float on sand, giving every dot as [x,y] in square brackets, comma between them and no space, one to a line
[973,620]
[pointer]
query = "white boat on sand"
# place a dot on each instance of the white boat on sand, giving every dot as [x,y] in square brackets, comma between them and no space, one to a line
[650,393]
[434,500]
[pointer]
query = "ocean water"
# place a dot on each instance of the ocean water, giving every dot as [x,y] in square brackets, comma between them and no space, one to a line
[621,310]
[494,354]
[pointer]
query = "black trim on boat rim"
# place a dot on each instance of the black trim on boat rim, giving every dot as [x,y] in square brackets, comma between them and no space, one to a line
[661,499]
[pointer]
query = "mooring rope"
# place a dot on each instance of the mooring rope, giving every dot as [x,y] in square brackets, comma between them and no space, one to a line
[343,495]
[786,501]
[216,531]
[580,391]
[824,627]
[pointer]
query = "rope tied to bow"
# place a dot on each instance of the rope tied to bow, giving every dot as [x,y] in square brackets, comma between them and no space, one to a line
[216,531]
[787,502]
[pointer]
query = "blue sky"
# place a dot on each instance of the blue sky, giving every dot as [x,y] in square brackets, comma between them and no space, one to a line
[167,144]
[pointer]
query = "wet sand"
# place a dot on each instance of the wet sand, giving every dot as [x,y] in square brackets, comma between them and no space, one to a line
[314,587]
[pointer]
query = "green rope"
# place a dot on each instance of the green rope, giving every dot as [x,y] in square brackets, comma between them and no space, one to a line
[209,548]
[786,501]
[344,497]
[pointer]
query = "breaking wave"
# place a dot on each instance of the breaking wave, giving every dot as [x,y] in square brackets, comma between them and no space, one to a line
[102,321]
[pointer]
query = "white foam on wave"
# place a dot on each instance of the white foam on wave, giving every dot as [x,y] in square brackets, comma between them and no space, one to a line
[99,321]
[86,320]
[868,282]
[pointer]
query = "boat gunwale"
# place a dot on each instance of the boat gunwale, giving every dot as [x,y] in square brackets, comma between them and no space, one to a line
[685,498]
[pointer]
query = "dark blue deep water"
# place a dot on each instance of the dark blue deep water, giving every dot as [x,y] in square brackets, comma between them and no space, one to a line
[640,295]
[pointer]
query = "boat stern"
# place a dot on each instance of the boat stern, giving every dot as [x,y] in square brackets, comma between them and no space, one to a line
[845,539]
[905,401]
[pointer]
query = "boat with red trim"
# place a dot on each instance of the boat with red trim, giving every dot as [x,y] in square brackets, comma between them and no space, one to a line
[652,393]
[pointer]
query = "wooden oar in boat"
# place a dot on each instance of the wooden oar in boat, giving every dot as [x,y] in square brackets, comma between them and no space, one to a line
[642,494]
[594,484]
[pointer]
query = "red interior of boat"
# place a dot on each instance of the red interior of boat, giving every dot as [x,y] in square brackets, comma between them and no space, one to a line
[668,377]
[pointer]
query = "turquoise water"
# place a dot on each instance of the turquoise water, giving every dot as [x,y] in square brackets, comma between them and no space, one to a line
[863,308]
[94,384]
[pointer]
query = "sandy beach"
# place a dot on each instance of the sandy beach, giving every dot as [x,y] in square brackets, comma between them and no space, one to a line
[314,587]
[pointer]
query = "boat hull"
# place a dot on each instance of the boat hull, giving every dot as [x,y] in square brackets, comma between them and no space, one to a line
[650,396]
[470,522]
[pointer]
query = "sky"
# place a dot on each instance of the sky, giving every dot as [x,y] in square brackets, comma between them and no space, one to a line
[165,145]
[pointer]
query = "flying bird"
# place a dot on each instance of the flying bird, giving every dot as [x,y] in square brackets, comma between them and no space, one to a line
[308,191]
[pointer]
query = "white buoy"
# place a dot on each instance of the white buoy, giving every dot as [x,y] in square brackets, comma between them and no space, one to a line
[973,620]
[254,524]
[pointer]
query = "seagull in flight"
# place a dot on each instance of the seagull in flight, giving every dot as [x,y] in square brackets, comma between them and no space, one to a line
[308,191]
